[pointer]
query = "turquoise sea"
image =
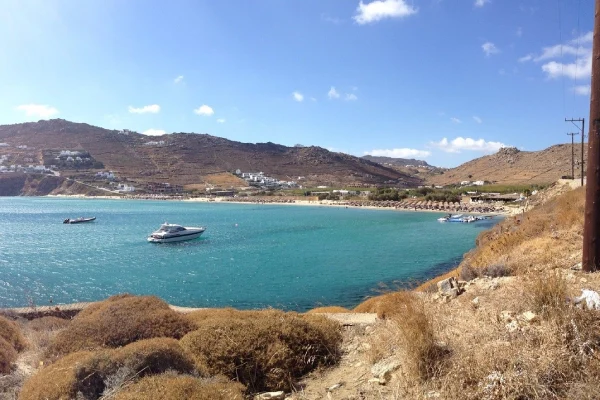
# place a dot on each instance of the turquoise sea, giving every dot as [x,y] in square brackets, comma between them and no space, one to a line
[251,256]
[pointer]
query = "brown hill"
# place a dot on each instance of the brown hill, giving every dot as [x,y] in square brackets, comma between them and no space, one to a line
[512,166]
[184,158]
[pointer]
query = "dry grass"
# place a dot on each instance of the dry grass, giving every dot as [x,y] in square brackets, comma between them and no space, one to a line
[548,294]
[118,321]
[174,387]
[264,350]
[8,355]
[47,324]
[386,306]
[90,374]
[329,310]
[10,332]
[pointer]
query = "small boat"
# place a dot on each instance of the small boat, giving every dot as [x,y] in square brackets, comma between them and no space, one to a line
[78,220]
[168,233]
[445,219]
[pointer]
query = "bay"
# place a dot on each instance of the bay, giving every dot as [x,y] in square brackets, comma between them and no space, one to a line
[251,256]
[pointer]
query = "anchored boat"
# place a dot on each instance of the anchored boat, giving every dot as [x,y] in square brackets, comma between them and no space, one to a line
[168,233]
[78,220]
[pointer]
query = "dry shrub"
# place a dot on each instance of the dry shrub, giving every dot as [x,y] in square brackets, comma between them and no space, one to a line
[329,310]
[468,273]
[264,350]
[118,321]
[8,355]
[173,387]
[47,324]
[422,356]
[10,332]
[89,374]
[386,306]
[548,294]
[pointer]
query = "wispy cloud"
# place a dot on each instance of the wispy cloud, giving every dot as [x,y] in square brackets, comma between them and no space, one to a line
[582,90]
[330,19]
[481,3]
[38,110]
[298,96]
[382,9]
[154,132]
[580,68]
[399,153]
[333,94]
[490,48]
[151,109]
[178,79]
[519,32]
[221,120]
[456,120]
[477,119]
[459,144]
[351,97]
[204,110]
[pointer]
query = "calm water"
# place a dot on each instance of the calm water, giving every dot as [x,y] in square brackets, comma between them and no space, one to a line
[251,256]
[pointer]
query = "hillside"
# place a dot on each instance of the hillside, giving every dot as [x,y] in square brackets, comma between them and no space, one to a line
[184,158]
[397,161]
[512,166]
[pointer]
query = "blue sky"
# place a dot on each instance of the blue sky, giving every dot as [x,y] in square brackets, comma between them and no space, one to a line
[441,80]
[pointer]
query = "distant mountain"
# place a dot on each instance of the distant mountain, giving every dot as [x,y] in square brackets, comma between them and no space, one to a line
[400,162]
[512,166]
[186,158]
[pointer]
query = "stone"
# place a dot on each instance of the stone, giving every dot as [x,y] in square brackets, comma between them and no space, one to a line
[376,380]
[452,293]
[507,316]
[270,396]
[530,317]
[384,367]
[334,387]
[475,301]
[446,285]
[577,267]
[512,326]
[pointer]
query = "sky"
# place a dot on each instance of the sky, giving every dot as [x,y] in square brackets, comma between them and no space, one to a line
[441,80]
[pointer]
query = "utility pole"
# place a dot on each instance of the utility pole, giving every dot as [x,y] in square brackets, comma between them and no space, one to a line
[591,225]
[572,154]
[582,120]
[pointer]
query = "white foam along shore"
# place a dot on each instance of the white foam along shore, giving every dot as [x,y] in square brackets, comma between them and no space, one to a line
[295,202]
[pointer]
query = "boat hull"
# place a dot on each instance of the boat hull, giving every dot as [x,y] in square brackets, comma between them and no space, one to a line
[173,239]
[78,221]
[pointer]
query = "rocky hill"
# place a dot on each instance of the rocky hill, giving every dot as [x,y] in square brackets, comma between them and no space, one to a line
[512,166]
[186,158]
[402,162]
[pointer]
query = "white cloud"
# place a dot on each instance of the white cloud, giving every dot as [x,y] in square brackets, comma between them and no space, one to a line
[333,20]
[581,68]
[489,48]
[399,153]
[477,119]
[381,9]
[583,90]
[481,3]
[351,97]
[178,79]
[456,120]
[204,110]
[221,120]
[526,58]
[298,96]
[333,94]
[154,132]
[38,110]
[151,109]
[459,144]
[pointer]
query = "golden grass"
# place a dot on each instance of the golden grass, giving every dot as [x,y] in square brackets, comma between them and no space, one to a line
[386,306]
[92,373]
[329,310]
[224,179]
[10,332]
[45,324]
[264,350]
[173,387]
[548,294]
[118,321]
[8,355]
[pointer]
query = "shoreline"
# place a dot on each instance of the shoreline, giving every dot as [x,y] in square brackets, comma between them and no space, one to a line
[303,203]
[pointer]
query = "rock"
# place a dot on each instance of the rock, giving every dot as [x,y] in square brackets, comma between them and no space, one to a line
[591,299]
[432,394]
[577,267]
[530,317]
[462,284]
[475,301]
[452,293]
[384,367]
[507,316]
[334,387]
[270,396]
[377,381]
[447,284]
[582,280]
[512,326]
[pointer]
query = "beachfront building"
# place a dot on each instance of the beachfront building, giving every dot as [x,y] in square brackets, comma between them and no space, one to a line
[105,175]
[261,180]
[163,188]
[125,188]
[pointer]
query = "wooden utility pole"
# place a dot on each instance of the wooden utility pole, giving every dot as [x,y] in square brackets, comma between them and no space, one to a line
[582,120]
[591,225]
[572,134]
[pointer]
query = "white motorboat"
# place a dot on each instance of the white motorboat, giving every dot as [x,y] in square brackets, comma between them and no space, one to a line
[168,233]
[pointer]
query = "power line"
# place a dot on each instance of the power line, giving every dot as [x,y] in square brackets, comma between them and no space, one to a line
[582,128]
